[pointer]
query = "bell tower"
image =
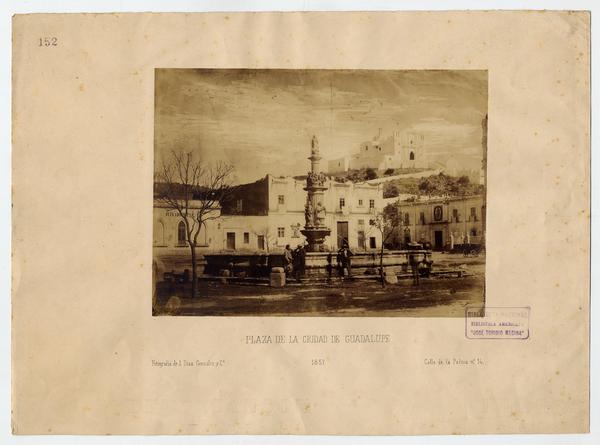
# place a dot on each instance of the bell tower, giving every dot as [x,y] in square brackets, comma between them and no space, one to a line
[413,145]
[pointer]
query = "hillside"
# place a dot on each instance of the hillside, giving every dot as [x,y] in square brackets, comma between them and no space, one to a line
[434,185]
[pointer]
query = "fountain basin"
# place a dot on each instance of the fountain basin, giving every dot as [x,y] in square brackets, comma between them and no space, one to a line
[315,237]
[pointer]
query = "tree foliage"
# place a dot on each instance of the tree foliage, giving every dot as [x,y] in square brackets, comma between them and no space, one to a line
[388,223]
[370,174]
[434,185]
[446,185]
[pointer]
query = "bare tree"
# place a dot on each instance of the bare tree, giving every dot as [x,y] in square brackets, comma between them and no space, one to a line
[194,190]
[387,223]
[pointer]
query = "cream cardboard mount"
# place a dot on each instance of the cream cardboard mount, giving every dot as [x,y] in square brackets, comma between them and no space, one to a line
[89,356]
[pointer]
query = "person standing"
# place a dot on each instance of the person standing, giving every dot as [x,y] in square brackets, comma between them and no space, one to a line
[345,259]
[329,266]
[299,262]
[288,260]
[414,266]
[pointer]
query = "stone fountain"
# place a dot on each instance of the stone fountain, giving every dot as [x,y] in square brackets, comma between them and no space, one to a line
[315,229]
[319,263]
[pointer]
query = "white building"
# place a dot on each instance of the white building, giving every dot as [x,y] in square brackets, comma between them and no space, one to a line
[269,213]
[399,150]
[169,229]
[445,222]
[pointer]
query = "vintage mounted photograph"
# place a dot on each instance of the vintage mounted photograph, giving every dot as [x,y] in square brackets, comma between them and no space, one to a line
[319,192]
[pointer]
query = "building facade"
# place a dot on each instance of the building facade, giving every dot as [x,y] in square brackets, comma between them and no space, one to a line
[268,214]
[444,222]
[398,150]
[169,228]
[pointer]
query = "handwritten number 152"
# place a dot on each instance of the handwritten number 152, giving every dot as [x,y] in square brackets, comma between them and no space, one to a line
[48,41]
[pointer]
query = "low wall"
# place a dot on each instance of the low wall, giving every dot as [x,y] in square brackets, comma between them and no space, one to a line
[316,263]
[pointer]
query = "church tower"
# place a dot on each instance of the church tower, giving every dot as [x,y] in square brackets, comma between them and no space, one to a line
[412,150]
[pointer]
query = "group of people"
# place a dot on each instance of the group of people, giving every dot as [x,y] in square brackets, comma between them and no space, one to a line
[295,261]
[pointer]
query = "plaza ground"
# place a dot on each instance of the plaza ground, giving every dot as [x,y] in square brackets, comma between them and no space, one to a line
[437,296]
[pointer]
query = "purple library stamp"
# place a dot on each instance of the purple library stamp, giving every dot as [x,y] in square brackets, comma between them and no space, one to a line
[492,323]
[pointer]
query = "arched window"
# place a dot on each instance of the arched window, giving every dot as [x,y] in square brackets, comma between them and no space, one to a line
[181,233]
[159,233]
[412,156]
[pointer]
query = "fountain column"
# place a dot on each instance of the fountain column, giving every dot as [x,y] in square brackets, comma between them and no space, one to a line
[315,229]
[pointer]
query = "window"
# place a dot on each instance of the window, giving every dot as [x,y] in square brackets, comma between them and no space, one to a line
[473,232]
[281,232]
[371,222]
[412,156]
[455,215]
[342,203]
[246,238]
[372,243]
[181,233]
[261,242]
[438,213]
[473,214]
[422,218]
[239,205]
[361,222]
[360,202]
[361,240]
[281,199]
[406,219]
[371,203]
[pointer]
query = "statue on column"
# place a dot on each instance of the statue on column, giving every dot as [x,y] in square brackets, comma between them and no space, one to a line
[314,145]
[320,214]
[309,214]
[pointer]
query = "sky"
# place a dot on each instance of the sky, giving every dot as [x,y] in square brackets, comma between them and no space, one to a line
[262,121]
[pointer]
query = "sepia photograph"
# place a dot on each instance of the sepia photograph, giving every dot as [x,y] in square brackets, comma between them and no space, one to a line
[319,192]
[277,224]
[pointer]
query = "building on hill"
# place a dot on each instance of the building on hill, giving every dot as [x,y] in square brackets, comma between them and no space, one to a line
[398,150]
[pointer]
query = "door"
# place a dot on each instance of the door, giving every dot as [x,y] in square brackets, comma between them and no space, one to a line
[261,242]
[439,239]
[231,240]
[407,238]
[342,233]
